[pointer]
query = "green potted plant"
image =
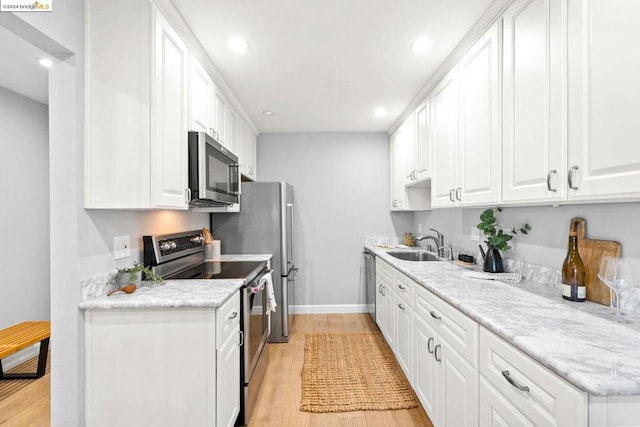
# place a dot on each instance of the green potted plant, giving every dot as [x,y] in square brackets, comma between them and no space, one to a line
[134,275]
[497,239]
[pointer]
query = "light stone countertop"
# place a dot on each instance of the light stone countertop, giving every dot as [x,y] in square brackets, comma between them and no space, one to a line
[175,293]
[578,341]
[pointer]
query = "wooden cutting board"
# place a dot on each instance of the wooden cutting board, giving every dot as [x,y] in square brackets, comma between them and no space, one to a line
[591,252]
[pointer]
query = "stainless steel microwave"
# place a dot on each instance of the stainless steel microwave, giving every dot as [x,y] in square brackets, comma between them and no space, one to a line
[214,173]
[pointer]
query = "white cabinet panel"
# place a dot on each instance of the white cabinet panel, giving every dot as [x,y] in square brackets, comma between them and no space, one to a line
[496,411]
[459,388]
[480,141]
[404,341]
[169,141]
[201,92]
[604,100]
[445,141]
[227,381]
[534,102]
[423,141]
[427,379]
[221,106]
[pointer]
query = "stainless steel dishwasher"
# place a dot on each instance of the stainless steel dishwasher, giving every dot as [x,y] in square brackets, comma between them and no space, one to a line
[370,282]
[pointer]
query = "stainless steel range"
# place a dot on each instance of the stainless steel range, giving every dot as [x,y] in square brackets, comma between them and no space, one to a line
[180,256]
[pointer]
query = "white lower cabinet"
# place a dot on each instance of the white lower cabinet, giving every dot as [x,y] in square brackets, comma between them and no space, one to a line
[404,337]
[163,367]
[523,389]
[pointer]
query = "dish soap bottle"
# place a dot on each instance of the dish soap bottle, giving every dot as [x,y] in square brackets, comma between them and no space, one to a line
[573,272]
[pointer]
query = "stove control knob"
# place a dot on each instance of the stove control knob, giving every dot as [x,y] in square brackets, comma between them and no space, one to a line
[167,245]
[197,240]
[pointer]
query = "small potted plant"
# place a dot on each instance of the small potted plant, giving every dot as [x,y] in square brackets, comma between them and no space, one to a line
[497,240]
[134,275]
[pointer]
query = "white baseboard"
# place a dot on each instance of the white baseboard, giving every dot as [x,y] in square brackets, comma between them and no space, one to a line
[328,309]
[22,356]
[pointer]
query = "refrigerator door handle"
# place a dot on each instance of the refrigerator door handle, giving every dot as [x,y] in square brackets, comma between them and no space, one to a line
[291,261]
[292,273]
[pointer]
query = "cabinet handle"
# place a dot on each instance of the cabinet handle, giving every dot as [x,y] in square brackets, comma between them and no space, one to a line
[187,195]
[429,342]
[572,171]
[435,353]
[382,291]
[402,287]
[233,315]
[458,193]
[241,339]
[551,172]
[451,195]
[401,307]
[507,376]
[434,315]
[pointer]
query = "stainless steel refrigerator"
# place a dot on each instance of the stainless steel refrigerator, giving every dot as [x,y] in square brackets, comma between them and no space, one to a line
[265,225]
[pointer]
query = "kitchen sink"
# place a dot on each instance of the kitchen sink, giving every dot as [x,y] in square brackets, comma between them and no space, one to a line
[414,255]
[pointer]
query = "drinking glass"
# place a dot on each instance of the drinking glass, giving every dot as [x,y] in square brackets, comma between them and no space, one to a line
[619,275]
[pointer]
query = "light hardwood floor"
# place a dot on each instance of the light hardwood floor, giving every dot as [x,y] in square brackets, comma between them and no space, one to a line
[279,397]
[28,403]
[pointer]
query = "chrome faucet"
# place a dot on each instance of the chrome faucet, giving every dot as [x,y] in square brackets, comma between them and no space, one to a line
[438,239]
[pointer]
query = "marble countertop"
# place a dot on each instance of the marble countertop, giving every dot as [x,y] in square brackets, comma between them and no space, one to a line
[578,341]
[175,293]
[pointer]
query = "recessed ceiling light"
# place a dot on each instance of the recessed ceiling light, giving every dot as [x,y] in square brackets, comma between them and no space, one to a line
[421,45]
[45,62]
[380,112]
[268,113]
[237,44]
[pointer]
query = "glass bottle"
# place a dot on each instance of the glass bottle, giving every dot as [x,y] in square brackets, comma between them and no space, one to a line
[573,272]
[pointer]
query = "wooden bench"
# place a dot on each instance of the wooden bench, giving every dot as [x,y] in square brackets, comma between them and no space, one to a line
[23,335]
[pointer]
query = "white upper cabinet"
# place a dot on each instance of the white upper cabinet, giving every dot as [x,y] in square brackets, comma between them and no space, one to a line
[422,142]
[169,141]
[444,101]
[604,100]
[221,107]
[396,182]
[201,93]
[136,115]
[534,102]
[480,135]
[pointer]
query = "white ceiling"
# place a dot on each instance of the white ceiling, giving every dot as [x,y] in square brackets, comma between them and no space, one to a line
[20,71]
[325,65]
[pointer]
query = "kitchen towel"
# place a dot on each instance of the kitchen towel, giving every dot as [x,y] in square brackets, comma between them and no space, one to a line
[271,298]
[503,277]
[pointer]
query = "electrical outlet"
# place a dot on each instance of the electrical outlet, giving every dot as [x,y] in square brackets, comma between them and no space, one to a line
[475,234]
[121,247]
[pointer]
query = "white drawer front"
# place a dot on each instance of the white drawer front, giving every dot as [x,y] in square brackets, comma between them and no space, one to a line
[385,270]
[460,331]
[496,410]
[227,319]
[537,393]
[405,288]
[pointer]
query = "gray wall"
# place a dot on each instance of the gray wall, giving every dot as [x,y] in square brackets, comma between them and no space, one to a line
[546,244]
[24,224]
[341,183]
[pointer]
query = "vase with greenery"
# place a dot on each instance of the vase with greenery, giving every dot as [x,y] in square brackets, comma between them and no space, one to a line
[497,239]
[133,274]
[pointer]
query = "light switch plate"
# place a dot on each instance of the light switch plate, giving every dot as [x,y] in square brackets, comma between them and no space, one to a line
[121,247]
[475,234]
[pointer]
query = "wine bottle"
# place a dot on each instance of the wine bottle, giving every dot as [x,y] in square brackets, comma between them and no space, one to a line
[573,272]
